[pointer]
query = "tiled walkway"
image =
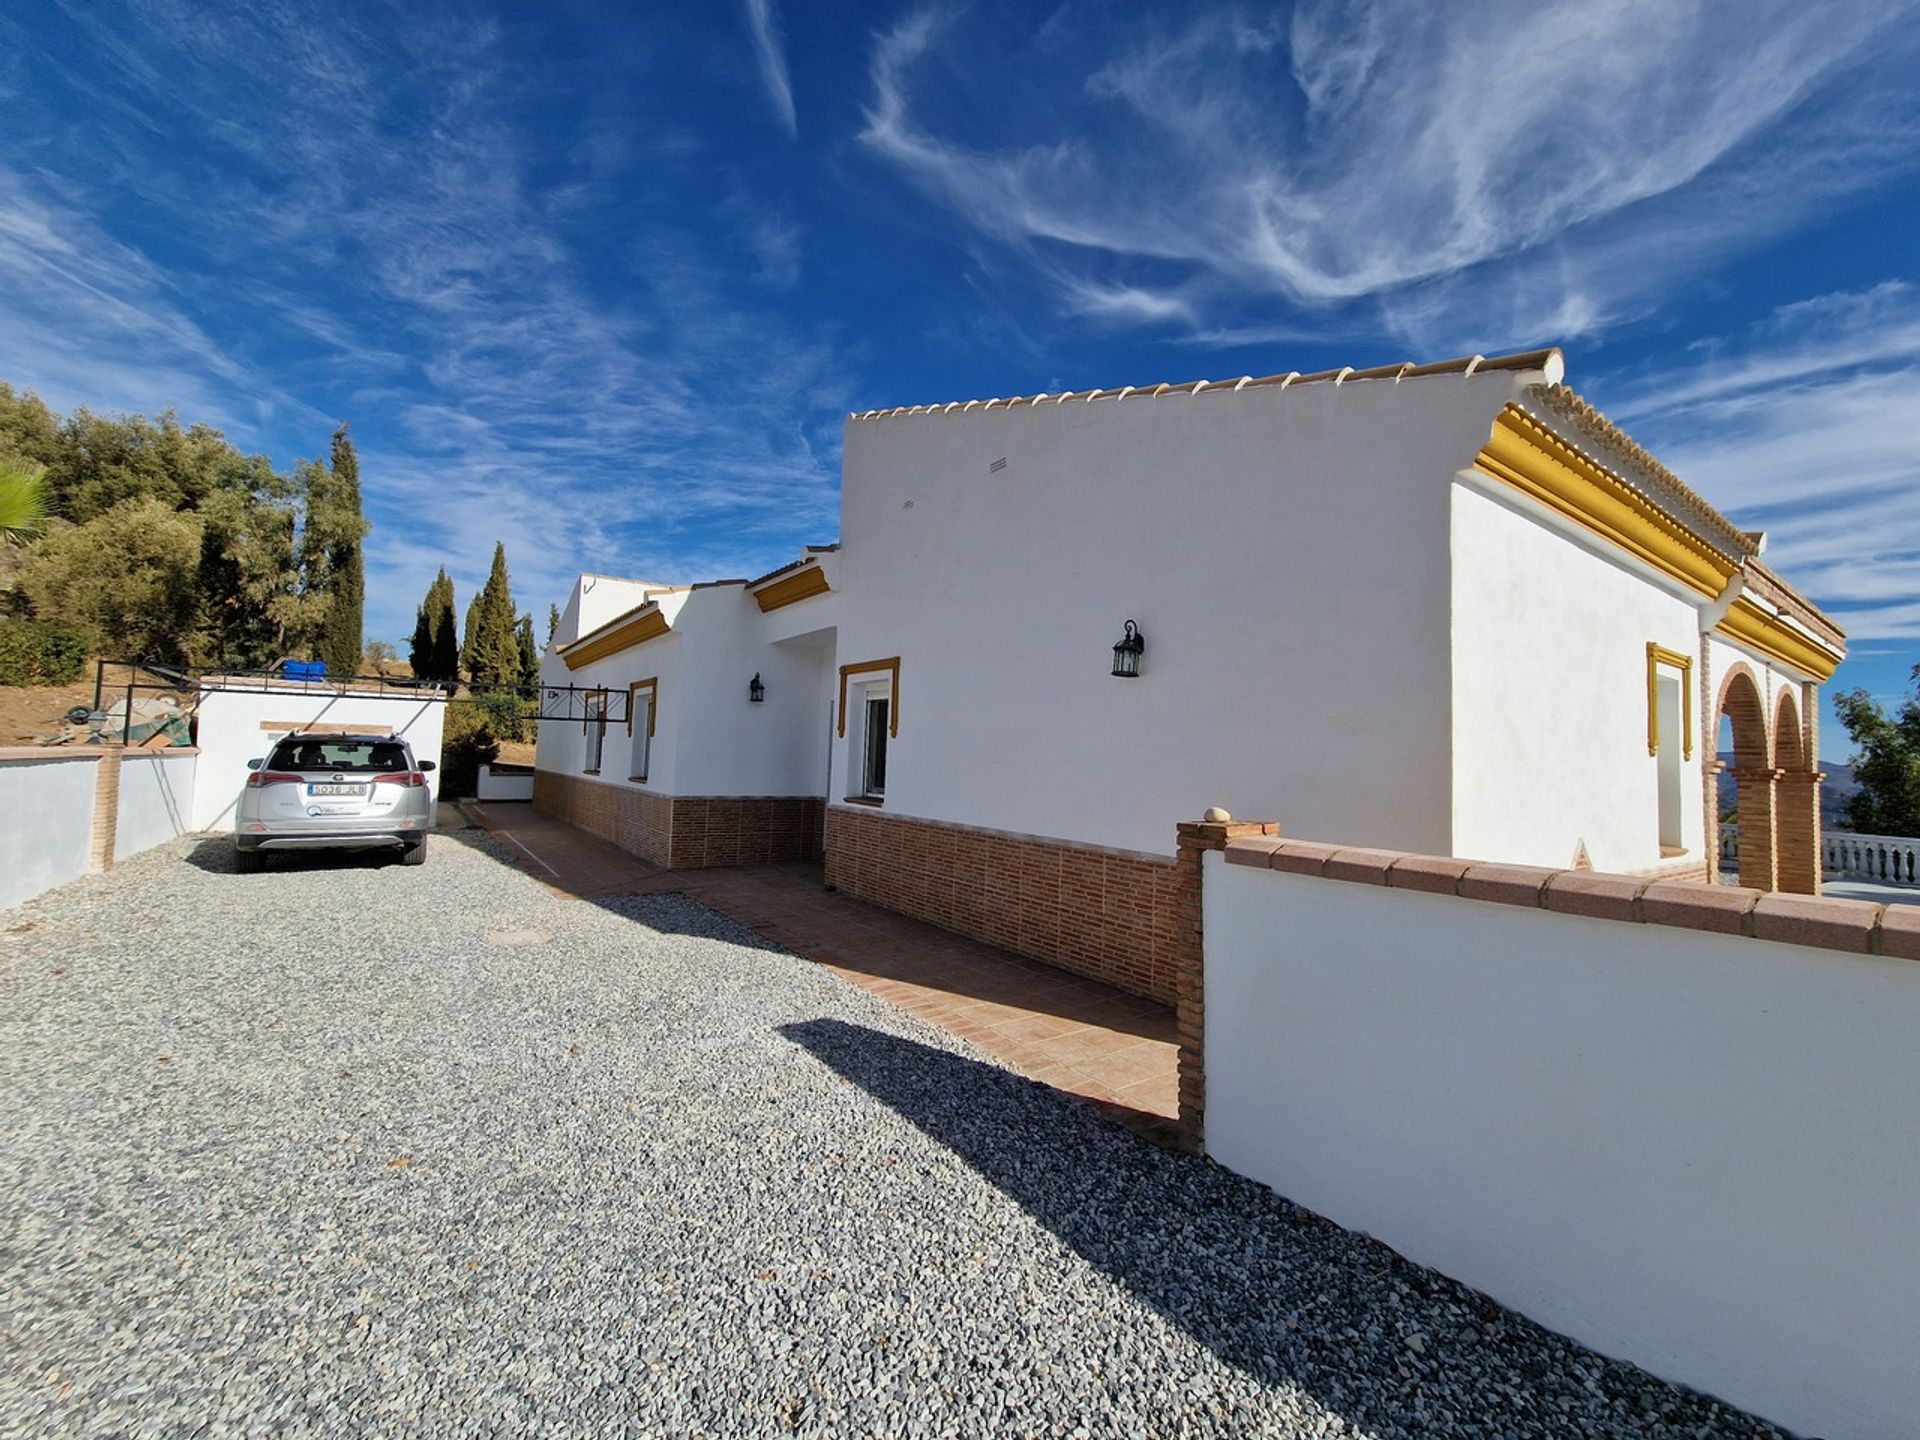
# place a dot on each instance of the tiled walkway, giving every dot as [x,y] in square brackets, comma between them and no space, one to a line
[1089,1039]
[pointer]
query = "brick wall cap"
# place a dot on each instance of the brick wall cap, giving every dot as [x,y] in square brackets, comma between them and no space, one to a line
[1595,895]
[1303,857]
[1506,884]
[1435,874]
[55,752]
[1367,867]
[1900,932]
[1828,924]
[1255,850]
[1692,906]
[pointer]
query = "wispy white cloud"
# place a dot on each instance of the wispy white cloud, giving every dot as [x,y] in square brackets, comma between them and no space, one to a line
[407,258]
[1808,426]
[1509,166]
[770,54]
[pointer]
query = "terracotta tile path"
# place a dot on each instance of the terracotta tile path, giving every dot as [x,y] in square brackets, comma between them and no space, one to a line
[1114,1049]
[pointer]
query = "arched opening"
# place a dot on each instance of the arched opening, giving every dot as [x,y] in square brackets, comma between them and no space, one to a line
[1743,713]
[1796,803]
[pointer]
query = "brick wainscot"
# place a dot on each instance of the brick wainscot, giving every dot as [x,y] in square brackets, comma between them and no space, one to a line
[685,832]
[1108,914]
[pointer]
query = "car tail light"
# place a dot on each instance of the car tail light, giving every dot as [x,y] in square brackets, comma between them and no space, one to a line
[412,779]
[262,778]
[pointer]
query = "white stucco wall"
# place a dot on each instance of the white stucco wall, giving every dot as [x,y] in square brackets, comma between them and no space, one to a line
[47,803]
[709,739]
[156,799]
[229,733]
[595,600]
[1550,636]
[1285,554]
[1691,1151]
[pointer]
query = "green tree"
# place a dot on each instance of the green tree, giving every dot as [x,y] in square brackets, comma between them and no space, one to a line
[553,623]
[127,579]
[343,620]
[492,649]
[246,572]
[1887,765]
[529,655]
[23,500]
[435,649]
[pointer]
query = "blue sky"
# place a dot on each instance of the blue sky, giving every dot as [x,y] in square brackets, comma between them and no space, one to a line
[603,283]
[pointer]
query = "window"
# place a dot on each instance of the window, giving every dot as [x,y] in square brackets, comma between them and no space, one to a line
[642,702]
[305,755]
[1668,709]
[873,770]
[596,731]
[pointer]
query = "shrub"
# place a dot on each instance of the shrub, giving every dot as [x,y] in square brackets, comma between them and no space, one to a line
[467,743]
[40,652]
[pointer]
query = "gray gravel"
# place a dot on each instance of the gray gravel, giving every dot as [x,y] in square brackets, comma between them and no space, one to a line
[379,1151]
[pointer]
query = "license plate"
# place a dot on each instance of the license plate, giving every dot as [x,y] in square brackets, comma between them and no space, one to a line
[359,790]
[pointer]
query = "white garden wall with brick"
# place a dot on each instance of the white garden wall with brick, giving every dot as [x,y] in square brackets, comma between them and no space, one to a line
[47,837]
[1684,1136]
[155,800]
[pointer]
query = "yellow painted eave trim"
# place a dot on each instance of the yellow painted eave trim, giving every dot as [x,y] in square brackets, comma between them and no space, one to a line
[1747,624]
[1524,453]
[636,631]
[801,585]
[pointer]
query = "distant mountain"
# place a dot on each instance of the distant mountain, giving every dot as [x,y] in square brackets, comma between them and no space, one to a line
[1834,791]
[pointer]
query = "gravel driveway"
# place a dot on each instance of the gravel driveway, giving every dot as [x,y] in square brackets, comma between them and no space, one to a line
[378,1151]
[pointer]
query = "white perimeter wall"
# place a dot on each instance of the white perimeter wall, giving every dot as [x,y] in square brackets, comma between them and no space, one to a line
[48,826]
[1690,1151]
[1285,554]
[1550,696]
[229,734]
[156,799]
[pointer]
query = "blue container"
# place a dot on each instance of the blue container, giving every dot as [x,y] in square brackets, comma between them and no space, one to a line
[304,669]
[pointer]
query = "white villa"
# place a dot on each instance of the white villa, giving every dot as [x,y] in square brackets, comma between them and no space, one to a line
[1443,608]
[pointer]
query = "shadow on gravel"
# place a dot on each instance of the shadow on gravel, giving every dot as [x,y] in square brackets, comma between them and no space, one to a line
[1273,1289]
[215,856]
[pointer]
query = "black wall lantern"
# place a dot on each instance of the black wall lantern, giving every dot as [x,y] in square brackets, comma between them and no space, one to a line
[1126,655]
[756,692]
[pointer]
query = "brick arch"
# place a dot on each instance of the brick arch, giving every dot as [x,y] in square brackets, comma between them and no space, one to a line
[1796,814]
[1789,753]
[1740,700]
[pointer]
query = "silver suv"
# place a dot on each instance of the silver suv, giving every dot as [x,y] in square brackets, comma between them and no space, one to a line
[334,791]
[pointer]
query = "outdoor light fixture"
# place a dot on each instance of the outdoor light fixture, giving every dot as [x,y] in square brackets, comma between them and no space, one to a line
[1126,655]
[756,692]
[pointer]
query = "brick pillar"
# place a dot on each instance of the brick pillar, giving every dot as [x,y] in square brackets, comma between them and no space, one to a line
[1711,771]
[1196,837]
[106,811]
[1797,832]
[1757,791]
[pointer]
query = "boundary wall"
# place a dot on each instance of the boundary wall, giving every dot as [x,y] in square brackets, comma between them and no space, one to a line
[1673,1121]
[75,810]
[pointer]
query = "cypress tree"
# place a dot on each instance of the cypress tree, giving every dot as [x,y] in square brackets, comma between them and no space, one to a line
[529,656]
[435,650]
[553,623]
[342,620]
[470,641]
[495,660]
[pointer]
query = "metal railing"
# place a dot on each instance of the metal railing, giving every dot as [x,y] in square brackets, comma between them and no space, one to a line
[1844,855]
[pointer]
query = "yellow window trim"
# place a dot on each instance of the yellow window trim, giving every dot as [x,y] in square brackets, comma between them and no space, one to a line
[802,585]
[652,686]
[1658,655]
[1753,627]
[641,628]
[892,666]
[1525,454]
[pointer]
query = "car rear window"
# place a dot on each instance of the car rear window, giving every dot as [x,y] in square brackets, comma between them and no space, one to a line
[371,756]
